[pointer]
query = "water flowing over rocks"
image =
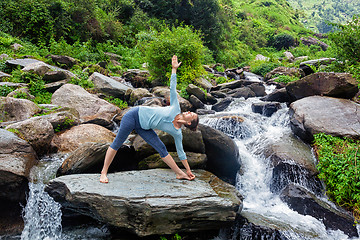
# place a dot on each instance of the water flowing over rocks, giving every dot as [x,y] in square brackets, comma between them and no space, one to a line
[90,107]
[72,138]
[16,109]
[17,157]
[108,85]
[340,85]
[37,131]
[151,201]
[222,104]
[315,114]
[265,108]
[304,202]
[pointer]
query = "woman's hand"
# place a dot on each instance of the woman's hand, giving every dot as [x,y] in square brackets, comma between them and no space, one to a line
[174,62]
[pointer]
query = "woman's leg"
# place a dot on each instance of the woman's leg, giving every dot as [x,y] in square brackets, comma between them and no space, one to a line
[127,124]
[153,139]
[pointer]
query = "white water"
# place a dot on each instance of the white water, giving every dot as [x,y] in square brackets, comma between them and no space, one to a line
[261,206]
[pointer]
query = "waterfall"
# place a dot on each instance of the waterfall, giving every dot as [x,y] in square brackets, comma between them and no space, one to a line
[261,205]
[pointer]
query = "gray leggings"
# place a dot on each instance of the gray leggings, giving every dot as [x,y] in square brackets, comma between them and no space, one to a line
[129,122]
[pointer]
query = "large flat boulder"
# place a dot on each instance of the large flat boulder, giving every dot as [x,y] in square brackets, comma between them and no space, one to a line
[17,109]
[333,116]
[150,202]
[108,85]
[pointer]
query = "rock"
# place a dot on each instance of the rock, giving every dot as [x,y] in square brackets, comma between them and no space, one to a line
[71,139]
[231,85]
[192,142]
[293,72]
[137,78]
[36,131]
[62,120]
[4,75]
[11,84]
[137,94]
[55,76]
[289,56]
[196,102]
[340,85]
[66,61]
[218,94]
[204,111]
[279,95]
[91,108]
[301,58]
[222,154]
[305,66]
[252,77]
[152,101]
[195,160]
[265,108]
[313,41]
[21,62]
[52,87]
[16,46]
[17,157]
[89,158]
[202,82]
[24,91]
[258,89]
[151,201]
[40,68]
[17,109]
[306,203]
[197,92]
[232,125]
[260,57]
[222,105]
[108,85]
[244,92]
[315,114]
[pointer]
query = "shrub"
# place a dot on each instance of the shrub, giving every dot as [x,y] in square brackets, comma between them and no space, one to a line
[117,101]
[339,169]
[286,79]
[283,40]
[5,90]
[263,67]
[181,41]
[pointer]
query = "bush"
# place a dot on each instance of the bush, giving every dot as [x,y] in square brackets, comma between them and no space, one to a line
[263,67]
[181,41]
[286,79]
[283,40]
[339,169]
[117,102]
[5,90]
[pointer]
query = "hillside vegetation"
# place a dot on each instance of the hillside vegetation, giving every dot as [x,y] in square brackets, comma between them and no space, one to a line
[316,14]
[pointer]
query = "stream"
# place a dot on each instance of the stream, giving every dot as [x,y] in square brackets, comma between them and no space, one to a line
[42,215]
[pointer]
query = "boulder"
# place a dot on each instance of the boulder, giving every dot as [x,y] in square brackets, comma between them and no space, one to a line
[260,57]
[195,160]
[230,85]
[61,120]
[305,66]
[204,83]
[16,46]
[150,202]
[89,158]
[293,72]
[91,108]
[137,94]
[308,41]
[315,114]
[152,101]
[21,62]
[17,109]
[192,142]
[222,105]
[244,92]
[66,61]
[108,85]
[11,84]
[222,153]
[55,76]
[279,95]
[340,85]
[304,202]
[137,78]
[52,87]
[289,56]
[71,139]
[17,157]
[40,68]
[197,92]
[265,108]
[36,131]
[3,56]
[24,92]
[196,102]
[258,89]
[218,94]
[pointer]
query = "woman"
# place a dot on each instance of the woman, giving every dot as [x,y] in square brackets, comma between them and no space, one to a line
[168,119]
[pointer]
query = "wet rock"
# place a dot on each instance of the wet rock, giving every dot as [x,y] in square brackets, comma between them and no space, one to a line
[195,160]
[204,111]
[196,102]
[71,139]
[333,116]
[340,85]
[306,203]
[91,108]
[108,85]
[222,153]
[222,105]
[149,202]
[232,125]
[218,94]
[17,109]
[265,108]
[279,95]
[244,92]
[258,89]
[230,85]
[37,131]
[17,157]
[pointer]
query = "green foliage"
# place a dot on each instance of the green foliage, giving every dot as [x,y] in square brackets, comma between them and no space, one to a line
[117,102]
[283,40]
[347,40]
[82,78]
[175,237]
[68,122]
[263,67]
[286,79]
[5,90]
[22,95]
[339,168]
[37,89]
[181,41]
[221,80]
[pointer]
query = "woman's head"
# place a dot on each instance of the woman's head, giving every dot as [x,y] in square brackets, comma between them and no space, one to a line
[192,120]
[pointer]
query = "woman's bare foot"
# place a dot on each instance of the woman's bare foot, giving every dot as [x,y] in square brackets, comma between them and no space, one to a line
[103,178]
[182,175]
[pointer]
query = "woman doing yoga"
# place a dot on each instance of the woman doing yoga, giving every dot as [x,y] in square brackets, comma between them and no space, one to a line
[145,119]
